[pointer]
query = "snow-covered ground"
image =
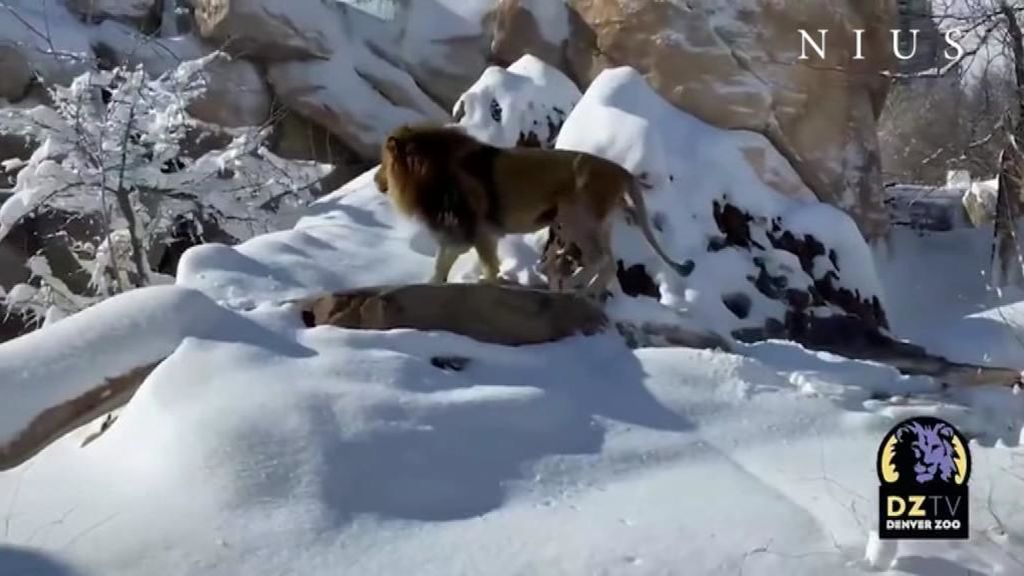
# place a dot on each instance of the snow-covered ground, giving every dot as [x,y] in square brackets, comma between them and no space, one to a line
[261,447]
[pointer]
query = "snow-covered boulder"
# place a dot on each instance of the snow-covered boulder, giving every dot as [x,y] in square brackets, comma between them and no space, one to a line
[268,29]
[734,64]
[356,94]
[443,44]
[767,264]
[523,105]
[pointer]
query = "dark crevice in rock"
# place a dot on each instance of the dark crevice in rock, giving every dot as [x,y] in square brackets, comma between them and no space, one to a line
[735,224]
[635,281]
[738,303]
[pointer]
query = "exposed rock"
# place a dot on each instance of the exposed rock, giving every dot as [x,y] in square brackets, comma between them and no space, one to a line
[11,325]
[15,74]
[236,95]
[297,138]
[129,10]
[268,29]
[537,27]
[357,97]
[354,74]
[979,202]
[53,234]
[12,147]
[488,313]
[735,65]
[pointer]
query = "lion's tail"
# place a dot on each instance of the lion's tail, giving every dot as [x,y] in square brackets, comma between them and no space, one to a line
[636,197]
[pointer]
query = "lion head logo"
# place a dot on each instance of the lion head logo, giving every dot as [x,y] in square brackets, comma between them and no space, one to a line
[924,450]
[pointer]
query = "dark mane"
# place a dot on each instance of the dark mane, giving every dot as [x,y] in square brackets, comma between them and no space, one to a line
[431,157]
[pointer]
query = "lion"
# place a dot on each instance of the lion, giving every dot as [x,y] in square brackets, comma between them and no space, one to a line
[469,194]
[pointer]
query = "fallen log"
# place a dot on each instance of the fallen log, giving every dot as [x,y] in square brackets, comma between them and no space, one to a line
[56,421]
[507,315]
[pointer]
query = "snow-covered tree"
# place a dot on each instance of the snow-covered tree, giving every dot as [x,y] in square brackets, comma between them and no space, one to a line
[117,144]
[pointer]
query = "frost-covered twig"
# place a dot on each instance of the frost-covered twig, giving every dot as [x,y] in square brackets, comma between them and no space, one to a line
[114,143]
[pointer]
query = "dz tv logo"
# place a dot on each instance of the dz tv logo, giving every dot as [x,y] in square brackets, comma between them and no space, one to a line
[923,467]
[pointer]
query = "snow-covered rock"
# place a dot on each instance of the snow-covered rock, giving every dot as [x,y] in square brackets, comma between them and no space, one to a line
[767,264]
[443,44]
[268,29]
[523,105]
[734,64]
[356,94]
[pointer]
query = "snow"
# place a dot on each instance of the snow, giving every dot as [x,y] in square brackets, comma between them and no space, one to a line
[691,165]
[48,367]
[880,553]
[262,447]
[506,105]
[304,450]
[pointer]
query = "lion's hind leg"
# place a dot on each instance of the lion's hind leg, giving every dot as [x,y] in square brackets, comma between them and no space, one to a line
[446,256]
[487,248]
[593,238]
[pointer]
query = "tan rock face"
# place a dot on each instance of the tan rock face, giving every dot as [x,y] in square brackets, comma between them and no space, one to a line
[267,29]
[236,95]
[735,64]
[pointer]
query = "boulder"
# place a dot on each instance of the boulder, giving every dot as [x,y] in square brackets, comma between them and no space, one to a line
[236,95]
[735,64]
[15,74]
[523,105]
[443,45]
[128,10]
[268,29]
[296,138]
[357,96]
[537,27]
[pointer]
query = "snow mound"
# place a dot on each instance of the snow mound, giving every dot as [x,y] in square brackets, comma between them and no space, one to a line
[525,104]
[47,367]
[756,250]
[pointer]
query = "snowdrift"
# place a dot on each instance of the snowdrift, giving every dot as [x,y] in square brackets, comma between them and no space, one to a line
[263,447]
